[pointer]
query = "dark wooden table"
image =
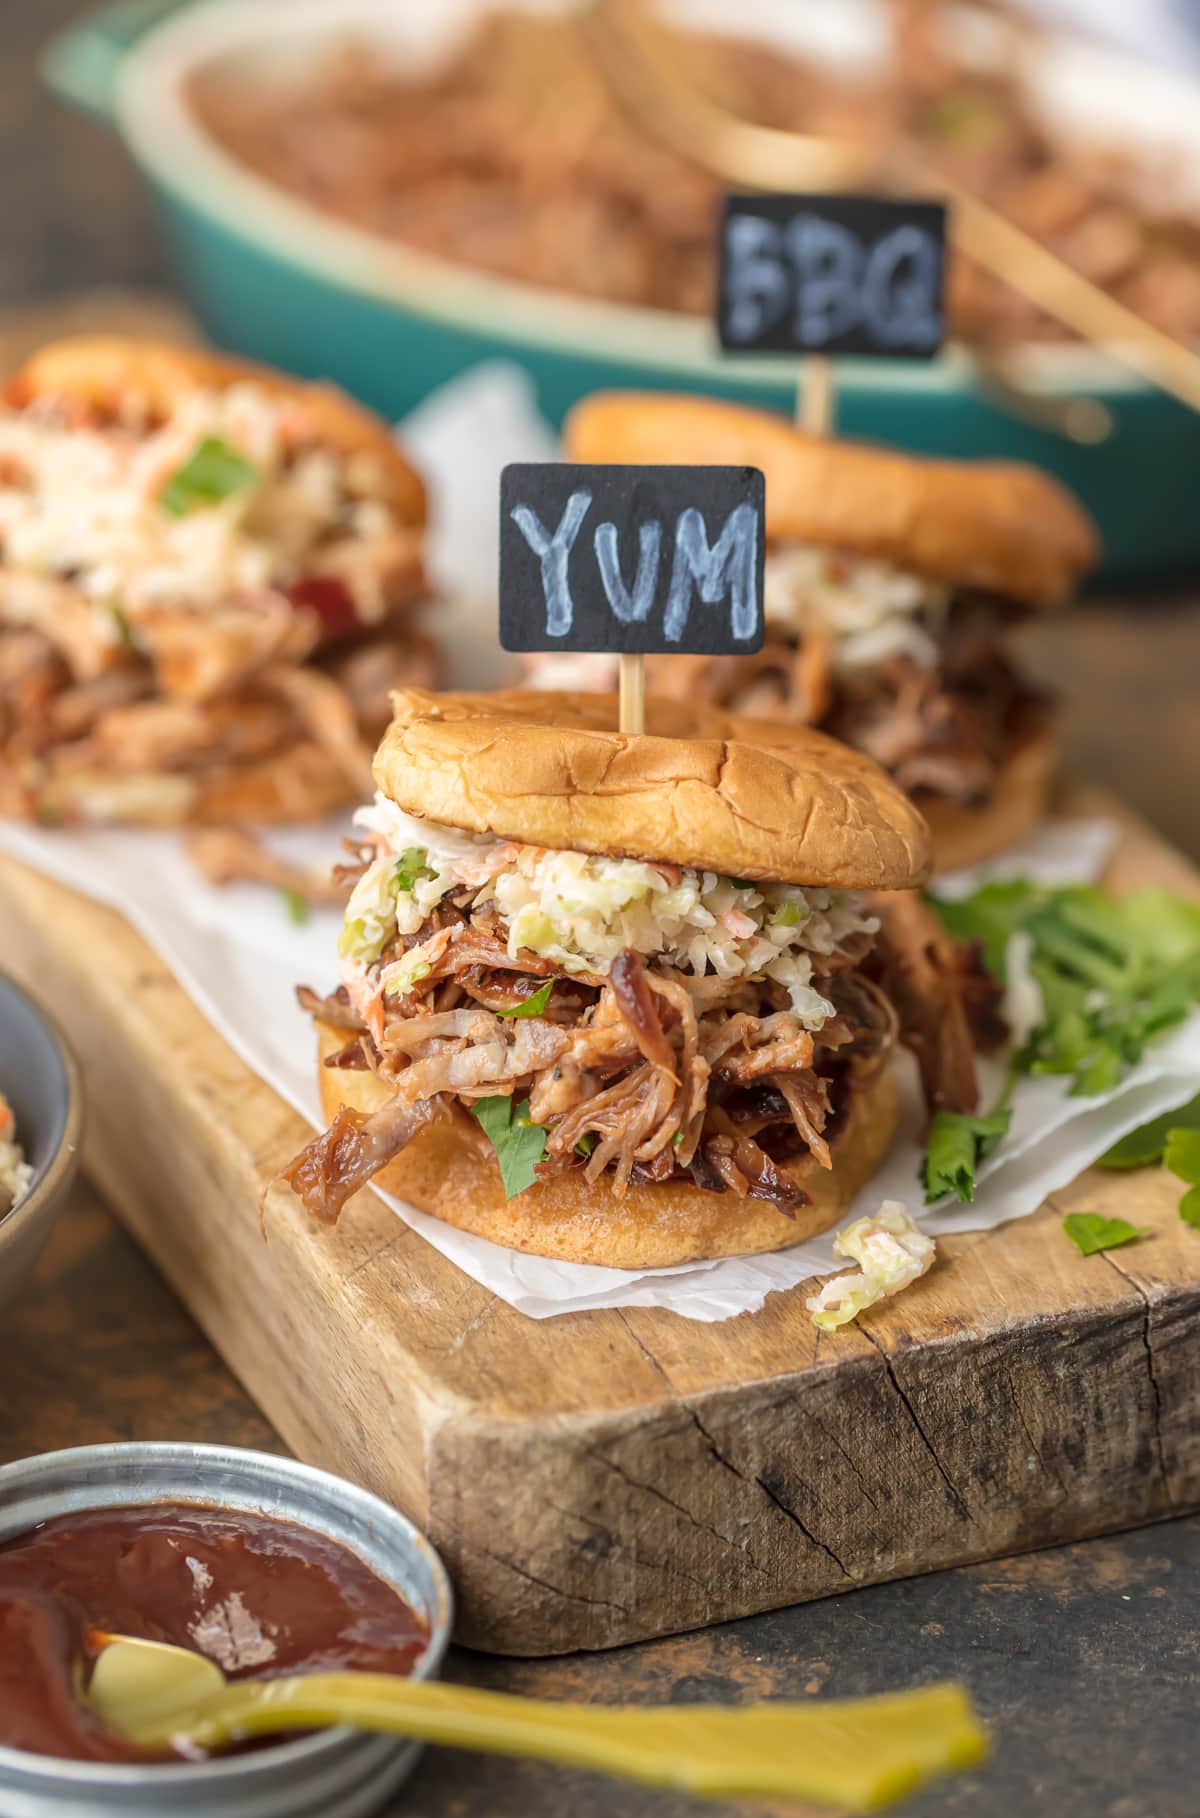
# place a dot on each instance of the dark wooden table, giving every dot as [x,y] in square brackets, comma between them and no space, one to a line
[1084,1659]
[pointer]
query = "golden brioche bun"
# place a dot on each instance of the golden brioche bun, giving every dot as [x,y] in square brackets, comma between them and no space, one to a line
[961,835]
[450,1170]
[810,812]
[595,712]
[966,835]
[101,369]
[996,525]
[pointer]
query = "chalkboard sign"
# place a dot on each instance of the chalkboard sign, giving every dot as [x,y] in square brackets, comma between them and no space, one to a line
[631,558]
[832,275]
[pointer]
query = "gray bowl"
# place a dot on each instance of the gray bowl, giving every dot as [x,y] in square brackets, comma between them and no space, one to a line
[332,1774]
[40,1078]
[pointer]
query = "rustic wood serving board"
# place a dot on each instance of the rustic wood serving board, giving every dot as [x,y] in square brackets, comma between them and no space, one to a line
[608,1476]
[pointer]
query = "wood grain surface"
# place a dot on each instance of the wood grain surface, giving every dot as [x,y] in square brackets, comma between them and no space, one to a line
[101,1349]
[602,1477]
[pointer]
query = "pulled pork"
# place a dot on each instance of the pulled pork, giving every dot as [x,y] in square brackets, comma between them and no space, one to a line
[942,730]
[947,1004]
[642,1075]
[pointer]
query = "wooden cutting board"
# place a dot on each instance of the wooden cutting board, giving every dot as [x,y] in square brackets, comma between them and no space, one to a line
[607,1476]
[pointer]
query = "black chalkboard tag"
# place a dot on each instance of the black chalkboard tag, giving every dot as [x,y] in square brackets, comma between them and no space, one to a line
[832,275]
[631,559]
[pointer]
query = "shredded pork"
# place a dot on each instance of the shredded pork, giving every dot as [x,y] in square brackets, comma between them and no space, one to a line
[943,727]
[947,1005]
[642,1074]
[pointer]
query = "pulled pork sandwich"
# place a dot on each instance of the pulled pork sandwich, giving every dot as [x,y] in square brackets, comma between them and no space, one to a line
[612,998]
[207,580]
[891,582]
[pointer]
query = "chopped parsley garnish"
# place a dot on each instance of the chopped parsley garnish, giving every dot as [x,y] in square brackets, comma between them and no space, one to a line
[1090,1232]
[1181,1154]
[519,1144]
[1113,973]
[297,906]
[212,473]
[412,864]
[991,916]
[1143,1147]
[532,1005]
[957,1144]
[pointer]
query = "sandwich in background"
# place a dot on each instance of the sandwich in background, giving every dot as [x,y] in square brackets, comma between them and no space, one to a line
[891,583]
[208,575]
[618,999]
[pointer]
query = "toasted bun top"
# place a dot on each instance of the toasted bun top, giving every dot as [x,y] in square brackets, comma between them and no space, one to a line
[666,718]
[996,525]
[101,370]
[806,812]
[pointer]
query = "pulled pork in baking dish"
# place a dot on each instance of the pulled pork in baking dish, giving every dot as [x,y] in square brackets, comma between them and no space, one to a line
[900,666]
[648,1020]
[192,600]
[513,156]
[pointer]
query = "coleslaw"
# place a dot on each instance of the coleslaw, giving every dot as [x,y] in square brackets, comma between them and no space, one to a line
[581,909]
[223,498]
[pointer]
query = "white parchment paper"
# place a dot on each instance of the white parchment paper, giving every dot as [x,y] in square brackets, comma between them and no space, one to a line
[239,956]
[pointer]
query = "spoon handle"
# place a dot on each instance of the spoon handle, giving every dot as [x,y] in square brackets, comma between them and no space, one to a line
[856,1755]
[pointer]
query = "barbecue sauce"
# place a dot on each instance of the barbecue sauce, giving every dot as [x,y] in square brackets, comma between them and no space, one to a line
[259,1596]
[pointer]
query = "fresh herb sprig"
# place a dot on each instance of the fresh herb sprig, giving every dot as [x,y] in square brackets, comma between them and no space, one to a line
[1113,974]
[1181,1155]
[956,1146]
[533,1005]
[212,473]
[519,1143]
[1143,1147]
[1091,1232]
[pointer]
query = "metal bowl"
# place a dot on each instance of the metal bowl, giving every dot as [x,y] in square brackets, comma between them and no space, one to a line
[335,1773]
[40,1078]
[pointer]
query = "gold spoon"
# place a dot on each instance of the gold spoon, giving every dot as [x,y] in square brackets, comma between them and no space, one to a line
[856,1755]
[649,82]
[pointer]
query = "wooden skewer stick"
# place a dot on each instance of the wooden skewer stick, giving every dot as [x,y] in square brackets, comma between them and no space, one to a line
[633,692]
[815,396]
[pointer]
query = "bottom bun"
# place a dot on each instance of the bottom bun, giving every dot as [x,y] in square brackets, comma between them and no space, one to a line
[965,835]
[450,1171]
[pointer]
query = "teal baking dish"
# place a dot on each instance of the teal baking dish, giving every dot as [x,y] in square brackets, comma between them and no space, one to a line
[271,277]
